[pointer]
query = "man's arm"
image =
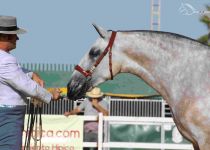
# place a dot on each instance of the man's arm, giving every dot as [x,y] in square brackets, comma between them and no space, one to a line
[77,109]
[99,107]
[13,75]
[37,79]
[73,112]
[34,76]
[27,72]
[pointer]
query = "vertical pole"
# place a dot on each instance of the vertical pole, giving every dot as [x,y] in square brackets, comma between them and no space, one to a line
[100,131]
[155,15]
[162,124]
[151,14]
[159,14]
[106,124]
[208,39]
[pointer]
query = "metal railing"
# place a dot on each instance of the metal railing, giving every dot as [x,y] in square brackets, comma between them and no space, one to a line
[117,107]
[56,107]
[136,107]
[48,67]
[101,144]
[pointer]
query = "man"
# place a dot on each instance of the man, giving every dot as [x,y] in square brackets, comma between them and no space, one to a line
[15,86]
[91,106]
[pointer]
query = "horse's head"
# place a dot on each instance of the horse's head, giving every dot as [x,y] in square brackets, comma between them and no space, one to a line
[93,68]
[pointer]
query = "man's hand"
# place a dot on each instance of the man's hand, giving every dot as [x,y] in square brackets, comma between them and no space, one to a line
[37,79]
[56,93]
[73,112]
[94,102]
[67,114]
[98,107]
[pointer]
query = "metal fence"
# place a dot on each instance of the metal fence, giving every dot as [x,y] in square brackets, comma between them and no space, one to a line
[136,107]
[56,107]
[117,107]
[48,67]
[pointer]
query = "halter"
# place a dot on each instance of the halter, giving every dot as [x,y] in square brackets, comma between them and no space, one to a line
[88,73]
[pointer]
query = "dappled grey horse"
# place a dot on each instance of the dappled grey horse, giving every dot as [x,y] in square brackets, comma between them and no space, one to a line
[176,66]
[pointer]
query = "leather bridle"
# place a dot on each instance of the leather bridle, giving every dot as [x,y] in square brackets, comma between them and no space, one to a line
[88,73]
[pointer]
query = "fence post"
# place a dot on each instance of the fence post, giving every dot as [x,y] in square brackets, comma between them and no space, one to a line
[162,138]
[100,131]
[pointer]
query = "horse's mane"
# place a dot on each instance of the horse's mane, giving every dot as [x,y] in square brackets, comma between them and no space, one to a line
[175,35]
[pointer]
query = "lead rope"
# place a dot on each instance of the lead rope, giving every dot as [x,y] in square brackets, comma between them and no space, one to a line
[27,138]
[37,134]
[34,130]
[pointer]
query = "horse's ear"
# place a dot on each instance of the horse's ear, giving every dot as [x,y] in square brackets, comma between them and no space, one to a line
[103,33]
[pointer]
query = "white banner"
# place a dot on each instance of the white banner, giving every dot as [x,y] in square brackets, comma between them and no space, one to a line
[58,133]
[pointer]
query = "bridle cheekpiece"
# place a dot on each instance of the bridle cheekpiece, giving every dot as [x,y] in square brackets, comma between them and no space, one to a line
[88,73]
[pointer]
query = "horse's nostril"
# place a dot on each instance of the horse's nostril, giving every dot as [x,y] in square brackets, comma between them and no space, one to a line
[71,90]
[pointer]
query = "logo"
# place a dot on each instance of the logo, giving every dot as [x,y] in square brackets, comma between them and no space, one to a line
[187,9]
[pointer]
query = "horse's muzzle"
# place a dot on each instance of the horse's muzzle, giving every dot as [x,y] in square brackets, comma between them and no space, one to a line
[76,89]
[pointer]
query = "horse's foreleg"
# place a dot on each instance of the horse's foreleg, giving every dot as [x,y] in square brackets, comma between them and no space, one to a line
[204,147]
[206,144]
[185,134]
[188,137]
[196,147]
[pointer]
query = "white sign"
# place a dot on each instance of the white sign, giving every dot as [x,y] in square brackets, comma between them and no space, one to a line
[58,133]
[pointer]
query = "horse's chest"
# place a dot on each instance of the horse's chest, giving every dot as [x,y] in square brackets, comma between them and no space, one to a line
[192,114]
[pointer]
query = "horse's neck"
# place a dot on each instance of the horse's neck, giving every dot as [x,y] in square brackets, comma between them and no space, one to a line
[152,57]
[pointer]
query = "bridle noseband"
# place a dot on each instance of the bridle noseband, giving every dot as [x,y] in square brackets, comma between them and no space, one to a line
[88,73]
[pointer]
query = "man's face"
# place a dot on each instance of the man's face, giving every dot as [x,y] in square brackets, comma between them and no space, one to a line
[9,40]
[12,38]
[96,99]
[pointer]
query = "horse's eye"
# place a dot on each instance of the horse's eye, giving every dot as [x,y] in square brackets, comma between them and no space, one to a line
[94,53]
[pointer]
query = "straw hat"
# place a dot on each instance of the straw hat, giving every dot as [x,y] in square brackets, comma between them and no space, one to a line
[95,93]
[8,25]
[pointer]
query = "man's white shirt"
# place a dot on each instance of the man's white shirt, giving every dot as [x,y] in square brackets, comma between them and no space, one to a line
[16,83]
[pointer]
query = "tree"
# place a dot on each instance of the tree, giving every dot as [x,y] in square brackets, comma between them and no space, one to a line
[206,20]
